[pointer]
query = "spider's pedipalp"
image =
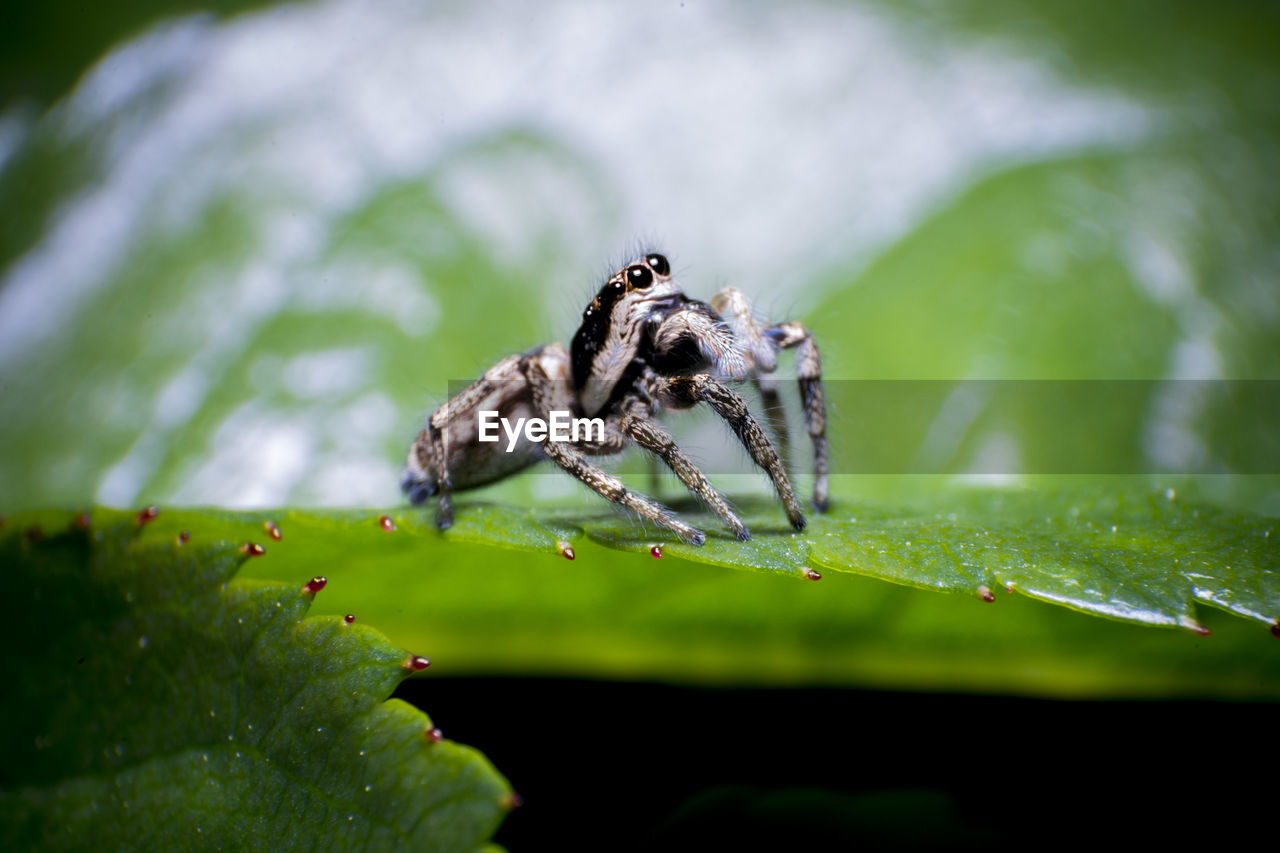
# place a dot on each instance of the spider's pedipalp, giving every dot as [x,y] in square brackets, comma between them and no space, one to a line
[692,335]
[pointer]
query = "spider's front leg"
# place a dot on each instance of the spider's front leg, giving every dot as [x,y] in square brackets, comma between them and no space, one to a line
[764,343]
[611,488]
[700,387]
[732,304]
[551,393]
[809,377]
[638,424]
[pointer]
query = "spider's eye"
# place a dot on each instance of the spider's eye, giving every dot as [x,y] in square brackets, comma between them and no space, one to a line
[639,277]
[659,264]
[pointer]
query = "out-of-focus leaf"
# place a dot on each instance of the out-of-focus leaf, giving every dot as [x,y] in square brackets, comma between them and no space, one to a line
[1095,269]
[265,335]
[155,701]
[238,370]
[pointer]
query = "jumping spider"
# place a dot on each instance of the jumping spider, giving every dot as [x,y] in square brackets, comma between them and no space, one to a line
[643,347]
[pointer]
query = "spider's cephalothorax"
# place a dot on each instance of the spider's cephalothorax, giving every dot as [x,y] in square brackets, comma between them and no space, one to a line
[643,347]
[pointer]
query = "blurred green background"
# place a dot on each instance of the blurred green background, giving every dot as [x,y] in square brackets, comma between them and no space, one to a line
[244,247]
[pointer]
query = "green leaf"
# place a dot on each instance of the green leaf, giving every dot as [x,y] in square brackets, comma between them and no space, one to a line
[154,701]
[493,595]
[1144,559]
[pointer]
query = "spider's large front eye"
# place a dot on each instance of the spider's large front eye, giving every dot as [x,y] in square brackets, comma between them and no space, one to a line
[639,277]
[659,264]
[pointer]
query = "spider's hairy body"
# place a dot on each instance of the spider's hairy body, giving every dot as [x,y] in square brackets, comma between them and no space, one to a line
[643,347]
[503,388]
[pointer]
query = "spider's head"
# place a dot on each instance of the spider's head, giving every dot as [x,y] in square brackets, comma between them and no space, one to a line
[640,286]
[613,323]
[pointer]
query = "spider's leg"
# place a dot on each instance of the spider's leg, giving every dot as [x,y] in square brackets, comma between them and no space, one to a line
[611,488]
[733,305]
[775,414]
[610,441]
[695,334]
[637,424]
[428,474]
[730,406]
[615,440]
[419,480]
[809,376]
[444,483]
[428,468]
[550,393]
[655,476]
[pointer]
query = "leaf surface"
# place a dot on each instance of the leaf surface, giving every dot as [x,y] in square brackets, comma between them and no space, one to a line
[157,702]
[493,595]
[1142,558]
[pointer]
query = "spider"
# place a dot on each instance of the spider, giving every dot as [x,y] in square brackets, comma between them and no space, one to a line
[643,347]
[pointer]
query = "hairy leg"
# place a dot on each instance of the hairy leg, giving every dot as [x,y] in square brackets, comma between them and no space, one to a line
[764,343]
[428,468]
[730,406]
[732,304]
[611,488]
[809,377]
[637,424]
[444,483]
[655,475]
[548,393]
[775,414]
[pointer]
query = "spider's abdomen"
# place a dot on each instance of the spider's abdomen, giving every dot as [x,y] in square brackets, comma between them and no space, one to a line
[474,463]
[503,389]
